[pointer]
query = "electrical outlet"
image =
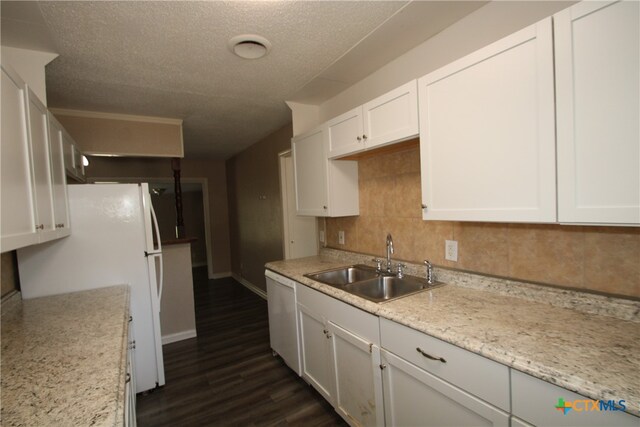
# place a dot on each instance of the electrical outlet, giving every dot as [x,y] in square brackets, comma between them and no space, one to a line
[341,237]
[321,236]
[451,250]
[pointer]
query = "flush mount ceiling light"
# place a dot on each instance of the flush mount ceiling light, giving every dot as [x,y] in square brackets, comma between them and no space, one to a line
[249,46]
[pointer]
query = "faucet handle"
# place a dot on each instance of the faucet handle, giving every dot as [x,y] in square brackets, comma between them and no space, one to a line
[429,271]
[378,262]
[401,268]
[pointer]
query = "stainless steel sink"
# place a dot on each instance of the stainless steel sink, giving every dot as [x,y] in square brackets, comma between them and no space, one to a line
[340,277]
[385,288]
[365,282]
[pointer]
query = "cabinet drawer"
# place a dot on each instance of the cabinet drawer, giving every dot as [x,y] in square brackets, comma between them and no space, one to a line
[359,322]
[537,401]
[475,374]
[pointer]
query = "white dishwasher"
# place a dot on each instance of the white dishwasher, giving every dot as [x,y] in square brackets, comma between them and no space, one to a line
[283,321]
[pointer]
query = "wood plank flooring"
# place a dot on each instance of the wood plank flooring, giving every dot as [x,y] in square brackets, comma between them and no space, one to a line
[227,375]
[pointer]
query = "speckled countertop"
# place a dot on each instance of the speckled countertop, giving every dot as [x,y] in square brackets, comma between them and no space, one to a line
[589,344]
[64,358]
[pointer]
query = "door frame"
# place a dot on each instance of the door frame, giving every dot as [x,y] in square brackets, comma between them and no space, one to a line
[283,199]
[286,250]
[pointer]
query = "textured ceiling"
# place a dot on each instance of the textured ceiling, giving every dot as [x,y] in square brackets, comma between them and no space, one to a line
[170,59]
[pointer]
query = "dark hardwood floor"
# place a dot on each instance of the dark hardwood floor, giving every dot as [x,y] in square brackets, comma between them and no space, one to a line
[227,375]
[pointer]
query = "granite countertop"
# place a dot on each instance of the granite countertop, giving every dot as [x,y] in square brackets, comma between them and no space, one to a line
[586,343]
[64,358]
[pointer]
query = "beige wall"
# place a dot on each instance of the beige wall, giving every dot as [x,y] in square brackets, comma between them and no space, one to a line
[8,273]
[255,207]
[177,311]
[123,135]
[212,170]
[605,259]
[489,23]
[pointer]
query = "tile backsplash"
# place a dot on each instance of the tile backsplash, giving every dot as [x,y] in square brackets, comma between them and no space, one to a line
[605,259]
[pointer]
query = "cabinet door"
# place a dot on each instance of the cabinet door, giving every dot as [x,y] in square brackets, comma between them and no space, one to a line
[487,133]
[392,117]
[345,134]
[358,397]
[597,67]
[18,228]
[59,178]
[78,163]
[310,163]
[130,386]
[40,158]
[317,368]
[414,397]
[68,150]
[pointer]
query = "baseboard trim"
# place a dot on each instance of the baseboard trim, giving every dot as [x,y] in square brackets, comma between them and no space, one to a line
[179,336]
[247,284]
[220,275]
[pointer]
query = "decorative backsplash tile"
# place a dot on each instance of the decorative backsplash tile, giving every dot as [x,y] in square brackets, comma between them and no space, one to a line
[604,259]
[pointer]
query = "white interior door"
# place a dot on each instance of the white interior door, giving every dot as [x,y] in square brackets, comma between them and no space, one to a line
[300,232]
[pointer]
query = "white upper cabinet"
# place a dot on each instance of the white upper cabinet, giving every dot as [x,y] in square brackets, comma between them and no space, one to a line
[345,133]
[18,227]
[40,157]
[323,187]
[58,177]
[487,133]
[34,187]
[597,49]
[390,118]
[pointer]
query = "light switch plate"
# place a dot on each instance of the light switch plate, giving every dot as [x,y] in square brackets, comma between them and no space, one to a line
[341,237]
[451,250]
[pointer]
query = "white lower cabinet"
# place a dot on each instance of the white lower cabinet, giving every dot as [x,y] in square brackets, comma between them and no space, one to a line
[339,346]
[314,344]
[414,397]
[130,381]
[377,372]
[540,403]
[358,381]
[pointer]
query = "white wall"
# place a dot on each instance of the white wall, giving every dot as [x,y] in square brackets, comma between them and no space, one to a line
[478,29]
[30,66]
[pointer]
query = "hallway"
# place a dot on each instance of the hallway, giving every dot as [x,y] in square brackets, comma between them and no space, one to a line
[227,375]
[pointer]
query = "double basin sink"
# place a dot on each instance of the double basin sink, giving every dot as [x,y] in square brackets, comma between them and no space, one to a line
[367,283]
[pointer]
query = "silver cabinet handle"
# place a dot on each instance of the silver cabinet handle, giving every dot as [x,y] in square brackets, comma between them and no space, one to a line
[40,227]
[430,357]
[358,138]
[383,366]
[128,378]
[364,137]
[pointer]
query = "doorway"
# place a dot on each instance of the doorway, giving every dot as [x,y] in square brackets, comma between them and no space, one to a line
[300,232]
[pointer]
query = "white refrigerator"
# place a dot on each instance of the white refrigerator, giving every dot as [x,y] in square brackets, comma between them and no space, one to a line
[111,243]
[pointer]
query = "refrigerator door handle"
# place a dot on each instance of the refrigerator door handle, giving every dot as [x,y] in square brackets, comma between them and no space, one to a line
[155,223]
[161,279]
